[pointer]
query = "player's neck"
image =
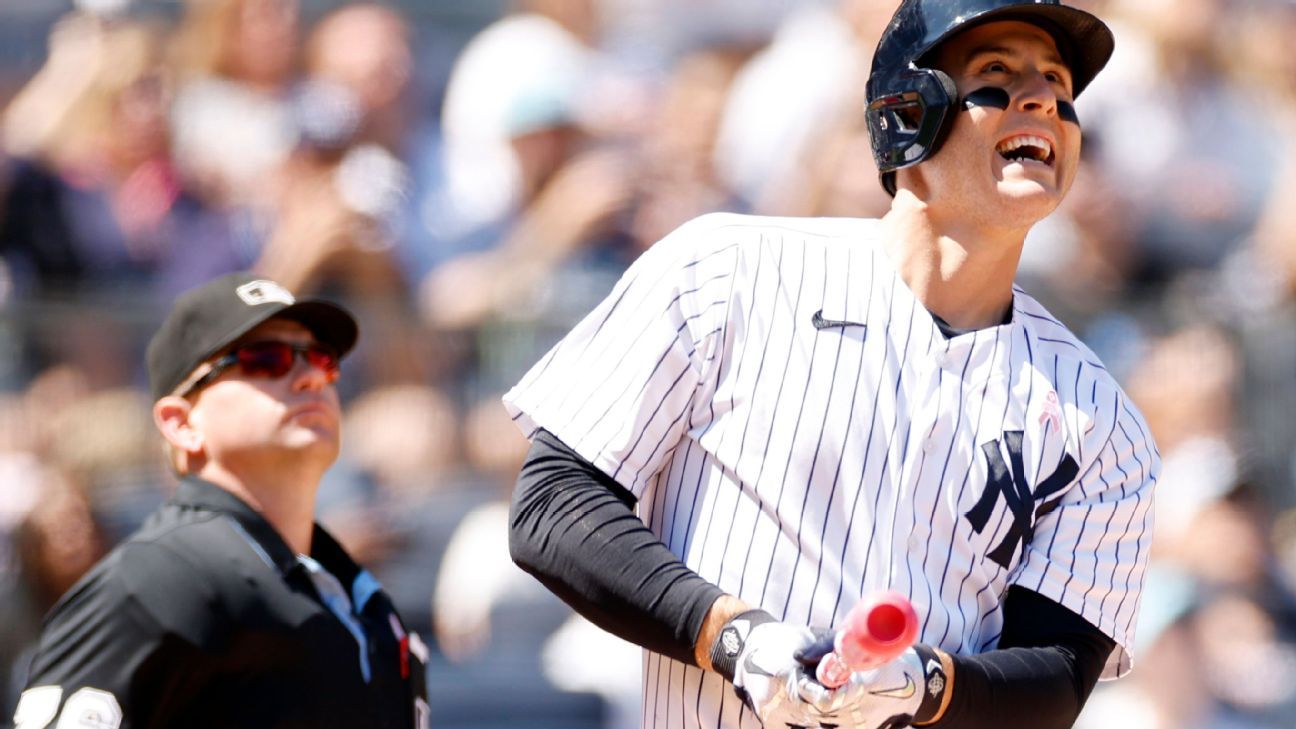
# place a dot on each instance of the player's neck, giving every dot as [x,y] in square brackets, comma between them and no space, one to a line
[961,273]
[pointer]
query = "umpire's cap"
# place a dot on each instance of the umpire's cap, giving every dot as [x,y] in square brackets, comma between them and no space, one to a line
[910,106]
[208,318]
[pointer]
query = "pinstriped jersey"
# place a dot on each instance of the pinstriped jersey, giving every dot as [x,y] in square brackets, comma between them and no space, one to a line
[799,432]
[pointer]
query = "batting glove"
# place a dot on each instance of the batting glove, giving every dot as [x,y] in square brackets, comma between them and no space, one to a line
[908,690]
[758,655]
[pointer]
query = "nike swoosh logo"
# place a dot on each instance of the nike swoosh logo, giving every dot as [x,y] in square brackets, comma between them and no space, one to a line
[821,323]
[902,692]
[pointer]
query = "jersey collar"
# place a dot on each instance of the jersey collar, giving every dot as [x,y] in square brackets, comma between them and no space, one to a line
[197,493]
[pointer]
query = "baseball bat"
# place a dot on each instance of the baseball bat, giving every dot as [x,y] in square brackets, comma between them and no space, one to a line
[879,628]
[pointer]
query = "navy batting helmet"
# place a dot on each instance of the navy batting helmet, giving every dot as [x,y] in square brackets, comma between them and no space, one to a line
[911,106]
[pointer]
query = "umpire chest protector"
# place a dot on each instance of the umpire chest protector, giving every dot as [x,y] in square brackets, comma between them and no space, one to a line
[911,106]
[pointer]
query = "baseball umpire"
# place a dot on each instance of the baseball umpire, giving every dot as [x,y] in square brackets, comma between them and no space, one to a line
[803,412]
[230,607]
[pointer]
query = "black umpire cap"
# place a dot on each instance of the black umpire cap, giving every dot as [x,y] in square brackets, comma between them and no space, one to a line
[207,319]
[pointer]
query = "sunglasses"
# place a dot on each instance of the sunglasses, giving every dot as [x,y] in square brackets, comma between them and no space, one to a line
[271,360]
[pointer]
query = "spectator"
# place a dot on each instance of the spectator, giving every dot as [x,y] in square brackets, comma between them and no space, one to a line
[233,120]
[556,37]
[1177,134]
[94,210]
[96,204]
[566,243]
[808,80]
[352,211]
[676,177]
[359,68]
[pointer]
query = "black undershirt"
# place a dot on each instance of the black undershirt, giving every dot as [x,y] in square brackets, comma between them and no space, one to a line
[951,331]
[575,530]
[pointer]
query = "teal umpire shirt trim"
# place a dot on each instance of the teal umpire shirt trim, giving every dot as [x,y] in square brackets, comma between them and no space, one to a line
[336,600]
[330,590]
[263,539]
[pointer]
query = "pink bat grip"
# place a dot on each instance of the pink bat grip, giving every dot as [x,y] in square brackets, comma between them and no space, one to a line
[879,628]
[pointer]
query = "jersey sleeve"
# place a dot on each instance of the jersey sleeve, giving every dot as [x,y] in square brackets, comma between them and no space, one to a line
[1090,553]
[620,388]
[120,643]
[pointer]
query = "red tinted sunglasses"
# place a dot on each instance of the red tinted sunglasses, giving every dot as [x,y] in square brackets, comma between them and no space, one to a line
[271,360]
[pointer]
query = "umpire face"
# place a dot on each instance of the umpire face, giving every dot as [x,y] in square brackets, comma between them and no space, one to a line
[243,378]
[255,421]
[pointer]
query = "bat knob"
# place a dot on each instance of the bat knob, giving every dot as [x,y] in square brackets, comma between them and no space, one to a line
[877,630]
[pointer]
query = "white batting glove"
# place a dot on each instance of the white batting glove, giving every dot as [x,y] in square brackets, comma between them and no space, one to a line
[909,689]
[758,655]
[772,667]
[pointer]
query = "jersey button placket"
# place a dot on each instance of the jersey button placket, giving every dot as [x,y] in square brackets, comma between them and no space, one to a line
[927,420]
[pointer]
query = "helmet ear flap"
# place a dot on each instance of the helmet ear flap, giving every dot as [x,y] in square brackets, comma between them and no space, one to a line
[952,106]
[909,118]
[947,83]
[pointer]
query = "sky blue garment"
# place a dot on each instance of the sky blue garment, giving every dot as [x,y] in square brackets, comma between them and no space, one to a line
[336,599]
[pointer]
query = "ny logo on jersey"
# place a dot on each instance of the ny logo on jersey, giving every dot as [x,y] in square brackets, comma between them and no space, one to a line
[1026,506]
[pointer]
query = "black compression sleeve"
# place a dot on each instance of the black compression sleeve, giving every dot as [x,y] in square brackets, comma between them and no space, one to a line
[574,529]
[1046,665]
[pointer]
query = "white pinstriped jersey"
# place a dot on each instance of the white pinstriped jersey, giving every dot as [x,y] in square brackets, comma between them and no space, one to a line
[800,433]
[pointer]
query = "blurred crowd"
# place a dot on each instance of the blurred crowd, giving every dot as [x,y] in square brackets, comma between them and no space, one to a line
[471,210]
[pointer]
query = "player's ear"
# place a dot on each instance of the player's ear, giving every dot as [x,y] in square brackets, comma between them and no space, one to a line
[171,416]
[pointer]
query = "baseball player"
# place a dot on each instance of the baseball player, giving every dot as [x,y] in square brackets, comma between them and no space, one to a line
[803,412]
[230,607]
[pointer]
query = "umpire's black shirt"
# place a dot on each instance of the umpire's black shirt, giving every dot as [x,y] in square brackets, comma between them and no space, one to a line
[206,618]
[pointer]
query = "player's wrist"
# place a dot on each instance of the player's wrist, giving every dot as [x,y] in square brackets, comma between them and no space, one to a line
[937,684]
[731,640]
[723,609]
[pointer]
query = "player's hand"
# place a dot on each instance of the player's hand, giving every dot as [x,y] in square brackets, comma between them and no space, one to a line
[888,696]
[760,656]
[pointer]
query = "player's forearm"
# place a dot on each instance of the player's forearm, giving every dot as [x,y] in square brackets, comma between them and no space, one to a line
[575,530]
[998,688]
[1046,666]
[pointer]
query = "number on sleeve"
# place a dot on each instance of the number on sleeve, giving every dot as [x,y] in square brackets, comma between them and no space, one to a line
[90,708]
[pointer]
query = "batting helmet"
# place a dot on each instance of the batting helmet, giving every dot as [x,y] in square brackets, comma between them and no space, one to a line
[910,106]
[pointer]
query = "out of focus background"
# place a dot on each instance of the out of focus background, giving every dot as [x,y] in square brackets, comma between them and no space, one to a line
[472,177]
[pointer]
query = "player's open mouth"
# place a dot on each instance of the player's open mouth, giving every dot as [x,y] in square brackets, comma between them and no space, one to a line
[1024,147]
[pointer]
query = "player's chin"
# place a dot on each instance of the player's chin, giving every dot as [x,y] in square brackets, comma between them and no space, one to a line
[1030,192]
[1033,180]
[1031,197]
